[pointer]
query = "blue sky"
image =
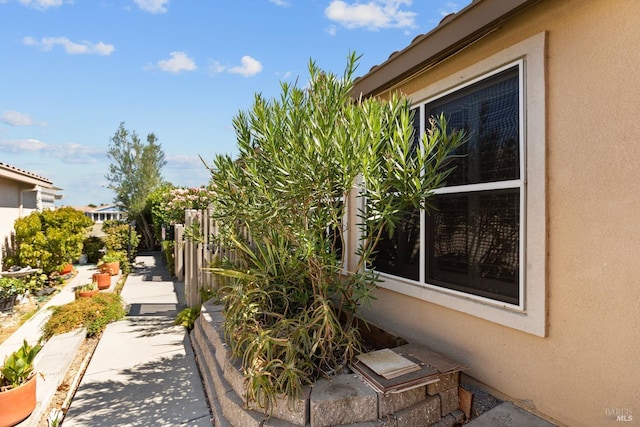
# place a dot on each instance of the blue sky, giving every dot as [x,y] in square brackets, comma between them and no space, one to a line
[72,70]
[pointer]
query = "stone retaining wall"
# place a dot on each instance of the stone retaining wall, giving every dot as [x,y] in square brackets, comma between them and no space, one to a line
[345,399]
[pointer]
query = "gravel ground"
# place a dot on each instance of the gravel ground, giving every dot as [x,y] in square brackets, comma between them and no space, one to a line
[482,400]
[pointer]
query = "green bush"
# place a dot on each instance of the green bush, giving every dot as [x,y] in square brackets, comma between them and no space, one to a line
[167,249]
[50,239]
[280,209]
[187,317]
[92,246]
[117,237]
[10,286]
[91,313]
[18,366]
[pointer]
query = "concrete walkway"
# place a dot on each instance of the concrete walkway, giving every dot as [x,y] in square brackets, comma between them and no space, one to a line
[143,372]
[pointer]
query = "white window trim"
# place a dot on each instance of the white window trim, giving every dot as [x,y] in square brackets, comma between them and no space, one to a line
[530,315]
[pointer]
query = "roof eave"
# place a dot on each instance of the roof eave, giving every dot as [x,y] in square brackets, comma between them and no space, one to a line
[453,34]
[18,175]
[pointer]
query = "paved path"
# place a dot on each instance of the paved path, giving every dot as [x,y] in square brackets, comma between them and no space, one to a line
[143,372]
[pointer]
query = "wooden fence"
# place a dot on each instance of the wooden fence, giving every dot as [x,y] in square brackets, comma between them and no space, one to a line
[194,250]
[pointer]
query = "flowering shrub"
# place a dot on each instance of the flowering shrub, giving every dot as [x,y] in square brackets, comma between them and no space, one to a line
[172,203]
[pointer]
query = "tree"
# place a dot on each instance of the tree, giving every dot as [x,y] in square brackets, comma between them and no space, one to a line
[134,172]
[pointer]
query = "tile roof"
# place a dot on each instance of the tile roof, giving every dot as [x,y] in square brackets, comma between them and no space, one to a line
[24,172]
[454,33]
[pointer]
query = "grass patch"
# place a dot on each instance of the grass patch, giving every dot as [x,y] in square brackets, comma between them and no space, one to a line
[91,313]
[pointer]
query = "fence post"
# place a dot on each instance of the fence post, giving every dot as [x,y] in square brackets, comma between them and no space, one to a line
[191,262]
[178,252]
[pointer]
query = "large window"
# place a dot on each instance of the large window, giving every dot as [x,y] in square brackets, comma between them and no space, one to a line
[472,236]
[482,250]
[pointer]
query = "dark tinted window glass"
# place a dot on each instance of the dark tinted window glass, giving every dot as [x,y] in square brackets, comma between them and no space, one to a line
[488,112]
[473,243]
[400,255]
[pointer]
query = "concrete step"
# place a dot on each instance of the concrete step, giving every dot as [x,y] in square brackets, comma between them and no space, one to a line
[508,415]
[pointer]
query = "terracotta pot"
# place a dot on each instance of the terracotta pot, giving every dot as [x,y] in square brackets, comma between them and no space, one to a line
[18,403]
[66,269]
[103,280]
[112,268]
[86,294]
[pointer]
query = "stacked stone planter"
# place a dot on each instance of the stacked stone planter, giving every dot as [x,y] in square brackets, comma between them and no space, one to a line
[344,400]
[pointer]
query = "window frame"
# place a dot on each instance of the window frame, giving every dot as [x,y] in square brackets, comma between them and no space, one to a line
[529,315]
[487,186]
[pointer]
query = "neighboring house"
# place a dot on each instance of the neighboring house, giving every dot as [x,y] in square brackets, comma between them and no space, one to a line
[21,193]
[103,213]
[528,272]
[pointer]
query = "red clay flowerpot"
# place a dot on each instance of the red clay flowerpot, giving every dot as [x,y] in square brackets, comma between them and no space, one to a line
[17,403]
[112,268]
[86,294]
[66,269]
[103,280]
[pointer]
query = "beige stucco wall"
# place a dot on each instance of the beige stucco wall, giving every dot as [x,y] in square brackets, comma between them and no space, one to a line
[589,362]
[10,191]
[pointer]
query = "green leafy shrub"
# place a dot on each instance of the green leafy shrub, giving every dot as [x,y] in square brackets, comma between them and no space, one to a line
[187,317]
[92,246]
[91,313]
[18,366]
[10,286]
[117,236]
[169,256]
[50,239]
[118,242]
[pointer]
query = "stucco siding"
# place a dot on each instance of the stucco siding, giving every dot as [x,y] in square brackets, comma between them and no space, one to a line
[587,363]
[10,199]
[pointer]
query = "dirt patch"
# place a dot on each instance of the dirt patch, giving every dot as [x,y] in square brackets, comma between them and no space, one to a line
[10,321]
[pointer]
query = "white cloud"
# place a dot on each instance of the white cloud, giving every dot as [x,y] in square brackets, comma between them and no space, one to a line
[70,47]
[178,63]
[68,153]
[249,67]
[373,15]
[181,161]
[188,171]
[153,6]
[76,153]
[22,145]
[331,30]
[282,3]
[448,8]
[15,118]
[215,67]
[41,4]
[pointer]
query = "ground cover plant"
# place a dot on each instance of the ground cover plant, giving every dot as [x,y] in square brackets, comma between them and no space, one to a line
[307,160]
[91,313]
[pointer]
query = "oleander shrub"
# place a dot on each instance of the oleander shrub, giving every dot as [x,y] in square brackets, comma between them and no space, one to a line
[280,210]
